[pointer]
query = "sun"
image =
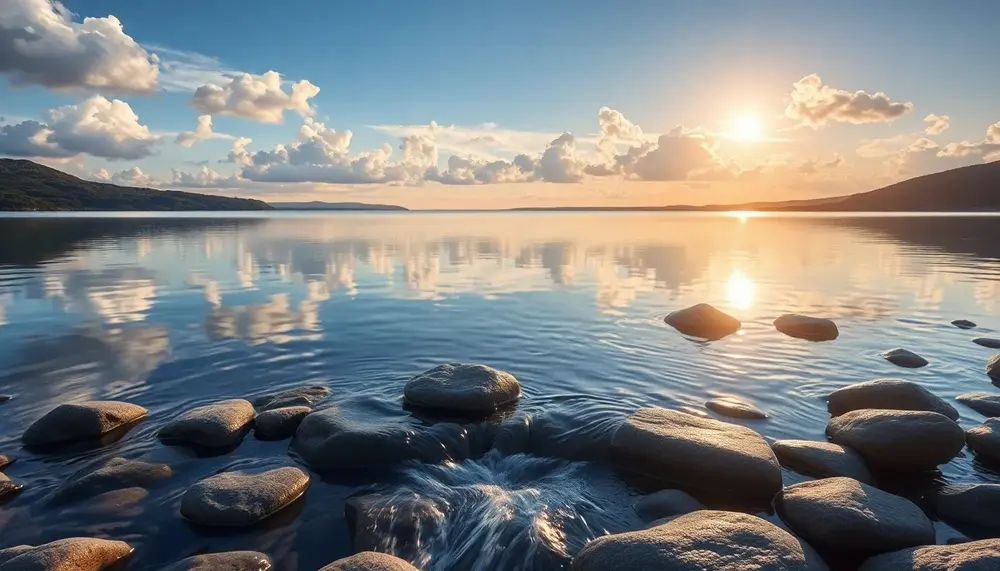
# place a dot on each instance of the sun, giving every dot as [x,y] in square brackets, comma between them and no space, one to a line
[747,128]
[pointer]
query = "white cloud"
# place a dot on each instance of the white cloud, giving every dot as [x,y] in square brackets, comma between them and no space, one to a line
[129,177]
[40,43]
[814,104]
[204,178]
[614,128]
[184,71]
[676,156]
[202,132]
[239,154]
[487,141]
[874,148]
[936,124]
[989,147]
[256,97]
[903,161]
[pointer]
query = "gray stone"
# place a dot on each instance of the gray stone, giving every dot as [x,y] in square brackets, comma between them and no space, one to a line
[217,425]
[821,460]
[5,398]
[462,387]
[904,358]
[75,554]
[973,509]
[970,556]
[844,516]
[701,541]
[228,561]
[74,422]
[805,327]
[697,452]
[734,407]
[987,342]
[887,394]
[898,440]
[986,404]
[984,440]
[279,423]
[963,324]
[401,523]
[8,487]
[664,504]
[703,321]
[234,499]
[6,460]
[115,474]
[299,396]
[993,367]
[369,561]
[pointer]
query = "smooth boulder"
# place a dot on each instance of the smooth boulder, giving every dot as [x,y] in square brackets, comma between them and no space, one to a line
[697,452]
[75,422]
[984,440]
[701,540]
[735,408]
[369,561]
[963,323]
[228,561]
[6,460]
[970,556]
[74,554]
[989,342]
[8,488]
[887,394]
[844,516]
[279,423]
[664,504]
[236,499]
[974,509]
[821,460]
[808,328]
[703,321]
[299,396]
[898,440]
[462,387]
[115,474]
[993,367]
[986,404]
[904,358]
[216,425]
[398,522]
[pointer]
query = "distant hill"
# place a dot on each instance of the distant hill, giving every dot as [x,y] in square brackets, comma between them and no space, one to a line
[317,205]
[27,186]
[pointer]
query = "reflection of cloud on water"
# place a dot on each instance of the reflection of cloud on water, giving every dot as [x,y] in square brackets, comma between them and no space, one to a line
[275,321]
[116,295]
[5,300]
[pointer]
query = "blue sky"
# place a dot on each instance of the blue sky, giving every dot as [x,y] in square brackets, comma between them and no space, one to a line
[507,79]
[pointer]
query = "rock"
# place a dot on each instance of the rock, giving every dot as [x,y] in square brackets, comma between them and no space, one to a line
[904,358]
[401,523]
[963,324]
[805,327]
[697,452]
[702,540]
[299,396]
[228,561]
[734,407]
[76,554]
[369,561]
[986,404]
[987,342]
[821,460]
[973,509]
[279,423]
[217,425]
[6,460]
[5,398]
[462,387]
[898,440]
[970,556]
[887,394]
[984,440]
[8,488]
[115,474]
[81,421]
[665,503]
[703,321]
[993,367]
[234,499]
[844,516]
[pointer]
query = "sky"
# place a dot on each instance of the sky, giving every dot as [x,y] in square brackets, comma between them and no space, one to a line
[451,104]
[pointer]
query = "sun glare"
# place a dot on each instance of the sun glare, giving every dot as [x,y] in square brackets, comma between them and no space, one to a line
[747,128]
[739,290]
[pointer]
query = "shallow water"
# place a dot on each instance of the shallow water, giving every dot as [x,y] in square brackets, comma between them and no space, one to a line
[171,313]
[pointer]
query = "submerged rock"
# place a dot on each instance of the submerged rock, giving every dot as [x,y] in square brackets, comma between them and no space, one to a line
[299,396]
[986,404]
[703,321]
[821,460]
[462,387]
[970,556]
[904,358]
[81,421]
[697,452]
[75,554]
[844,516]
[973,509]
[369,561]
[665,503]
[984,440]
[5,398]
[963,324]
[399,523]
[228,561]
[716,540]
[217,425]
[734,407]
[993,367]
[115,474]
[987,342]
[805,327]
[6,460]
[8,487]
[887,394]
[898,440]
[279,423]
[235,499]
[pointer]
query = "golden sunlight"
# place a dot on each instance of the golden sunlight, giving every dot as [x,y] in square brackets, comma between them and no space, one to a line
[739,290]
[747,128]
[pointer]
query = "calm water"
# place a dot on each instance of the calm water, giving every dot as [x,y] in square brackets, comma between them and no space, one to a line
[171,313]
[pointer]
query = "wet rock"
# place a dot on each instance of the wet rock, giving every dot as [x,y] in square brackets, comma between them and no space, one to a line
[963,324]
[462,387]
[993,367]
[6,460]
[970,556]
[229,561]
[401,523]
[805,327]
[235,499]
[75,554]
[5,398]
[821,460]
[703,321]
[986,404]
[217,425]
[844,516]
[115,474]
[898,440]
[299,396]
[369,561]
[697,452]
[715,540]
[987,342]
[279,423]
[735,408]
[973,509]
[984,440]
[664,504]
[904,358]
[8,488]
[887,394]
[80,421]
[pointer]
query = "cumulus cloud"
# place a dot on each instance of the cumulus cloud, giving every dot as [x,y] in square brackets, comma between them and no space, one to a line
[675,156]
[902,162]
[239,154]
[615,127]
[204,178]
[202,132]
[936,124]
[129,177]
[813,105]
[255,97]
[40,43]
[487,141]
[989,147]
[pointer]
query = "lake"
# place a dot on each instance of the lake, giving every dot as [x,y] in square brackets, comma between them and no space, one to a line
[175,312]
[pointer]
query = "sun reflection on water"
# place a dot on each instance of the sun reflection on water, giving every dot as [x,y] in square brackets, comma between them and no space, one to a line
[739,290]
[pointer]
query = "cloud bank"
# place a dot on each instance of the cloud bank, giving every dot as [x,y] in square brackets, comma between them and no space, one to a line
[814,105]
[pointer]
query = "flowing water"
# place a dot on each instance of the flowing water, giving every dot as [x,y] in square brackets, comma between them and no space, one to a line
[170,313]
